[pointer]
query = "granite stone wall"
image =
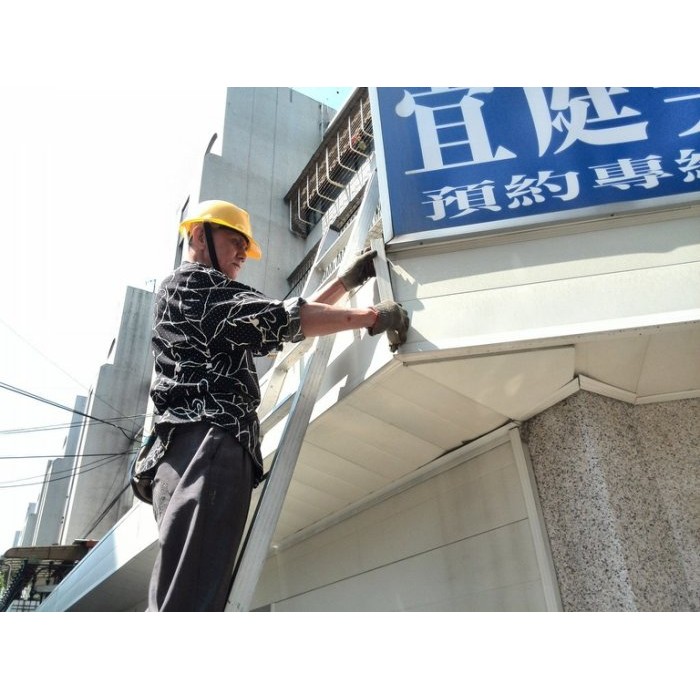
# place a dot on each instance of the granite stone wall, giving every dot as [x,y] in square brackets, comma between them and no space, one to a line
[619,486]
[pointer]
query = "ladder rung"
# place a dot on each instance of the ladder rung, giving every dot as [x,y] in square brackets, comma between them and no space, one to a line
[278,413]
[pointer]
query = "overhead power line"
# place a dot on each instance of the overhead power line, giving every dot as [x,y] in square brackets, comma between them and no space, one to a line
[102,515]
[103,461]
[109,506]
[95,454]
[58,367]
[56,474]
[65,426]
[41,428]
[29,394]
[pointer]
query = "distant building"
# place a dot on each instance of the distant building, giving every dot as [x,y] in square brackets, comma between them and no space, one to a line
[54,491]
[29,525]
[83,497]
[99,493]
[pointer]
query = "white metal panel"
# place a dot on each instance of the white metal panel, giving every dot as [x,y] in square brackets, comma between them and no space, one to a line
[411,417]
[596,387]
[458,505]
[292,519]
[115,573]
[617,361]
[448,415]
[495,570]
[457,541]
[356,478]
[552,309]
[337,487]
[671,364]
[330,555]
[509,384]
[347,432]
[535,518]
[432,273]
[380,433]
[658,364]
[316,501]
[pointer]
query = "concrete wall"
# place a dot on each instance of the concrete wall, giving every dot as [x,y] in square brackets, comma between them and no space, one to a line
[29,526]
[620,491]
[121,391]
[269,135]
[54,492]
[52,501]
[464,539]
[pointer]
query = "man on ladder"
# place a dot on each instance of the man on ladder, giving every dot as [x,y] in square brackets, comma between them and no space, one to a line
[205,461]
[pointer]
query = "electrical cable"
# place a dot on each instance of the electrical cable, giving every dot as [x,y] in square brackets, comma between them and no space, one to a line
[79,454]
[48,359]
[111,504]
[28,394]
[41,428]
[88,467]
[66,426]
[105,458]
[101,517]
[54,474]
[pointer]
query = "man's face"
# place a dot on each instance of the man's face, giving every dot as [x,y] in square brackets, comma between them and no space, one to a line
[231,250]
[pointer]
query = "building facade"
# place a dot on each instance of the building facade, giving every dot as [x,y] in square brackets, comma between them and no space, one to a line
[531,447]
[54,492]
[98,493]
[87,491]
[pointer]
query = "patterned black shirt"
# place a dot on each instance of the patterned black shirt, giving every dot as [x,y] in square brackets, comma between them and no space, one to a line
[207,329]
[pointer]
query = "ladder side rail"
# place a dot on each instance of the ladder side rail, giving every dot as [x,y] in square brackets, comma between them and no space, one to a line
[381,267]
[257,542]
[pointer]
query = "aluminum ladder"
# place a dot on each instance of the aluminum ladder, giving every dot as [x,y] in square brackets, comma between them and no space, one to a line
[299,405]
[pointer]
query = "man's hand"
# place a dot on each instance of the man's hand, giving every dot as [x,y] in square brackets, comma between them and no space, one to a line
[360,270]
[392,318]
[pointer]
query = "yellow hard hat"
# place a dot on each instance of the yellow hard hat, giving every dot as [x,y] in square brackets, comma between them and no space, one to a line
[223,213]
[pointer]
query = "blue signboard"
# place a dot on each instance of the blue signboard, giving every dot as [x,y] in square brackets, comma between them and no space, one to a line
[473,160]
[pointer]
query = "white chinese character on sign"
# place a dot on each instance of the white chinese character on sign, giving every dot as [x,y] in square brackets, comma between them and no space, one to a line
[466,199]
[693,129]
[689,163]
[527,190]
[643,172]
[451,132]
[582,118]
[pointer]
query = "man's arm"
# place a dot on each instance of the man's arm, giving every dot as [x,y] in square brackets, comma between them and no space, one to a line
[361,268]
[324,319]
[318,316]
[386,317]
[330,293]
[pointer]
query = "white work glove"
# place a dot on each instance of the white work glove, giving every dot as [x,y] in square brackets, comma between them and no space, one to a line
[392,319]
[359,271]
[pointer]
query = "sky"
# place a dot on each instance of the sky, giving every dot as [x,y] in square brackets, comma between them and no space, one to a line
[92,182]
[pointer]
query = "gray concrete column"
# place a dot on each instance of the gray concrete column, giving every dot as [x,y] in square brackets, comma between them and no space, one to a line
[620,493]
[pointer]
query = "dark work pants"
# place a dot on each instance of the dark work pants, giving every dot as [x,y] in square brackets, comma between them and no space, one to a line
[201,497]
